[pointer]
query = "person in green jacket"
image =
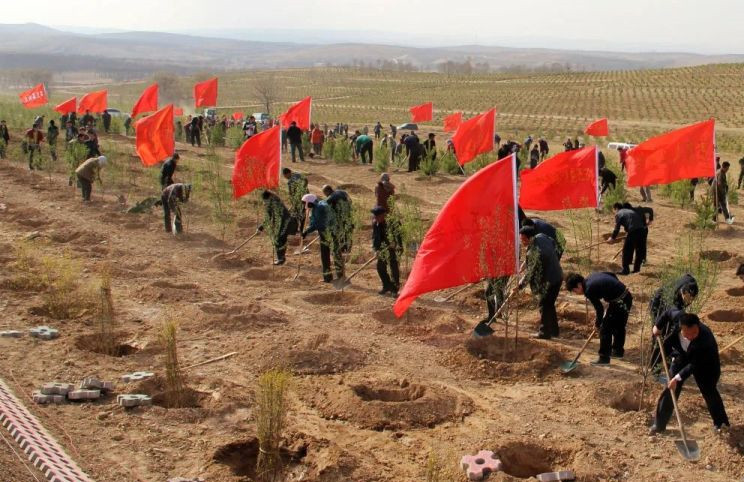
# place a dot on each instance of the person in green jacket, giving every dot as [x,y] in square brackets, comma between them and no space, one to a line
[363,144]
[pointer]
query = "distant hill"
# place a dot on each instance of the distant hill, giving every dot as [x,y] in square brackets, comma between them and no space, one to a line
[132,54]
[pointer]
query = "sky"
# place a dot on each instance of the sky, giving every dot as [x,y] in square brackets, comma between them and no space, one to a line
[711,26]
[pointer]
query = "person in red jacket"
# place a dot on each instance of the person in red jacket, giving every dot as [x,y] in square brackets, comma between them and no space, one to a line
[34,136]
[317,138]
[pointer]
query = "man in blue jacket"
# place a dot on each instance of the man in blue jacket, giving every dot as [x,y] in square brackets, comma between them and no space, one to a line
[321,220]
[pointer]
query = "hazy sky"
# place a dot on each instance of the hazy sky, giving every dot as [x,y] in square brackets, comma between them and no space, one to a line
[710,26]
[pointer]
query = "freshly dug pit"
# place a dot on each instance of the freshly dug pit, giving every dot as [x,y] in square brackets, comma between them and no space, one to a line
[336,300]
[94,344]
[577,316]
[726,316]
[257,274]
[354,188]
[242,456]
[526,460]
[623,397]
[323,361]
[189,398]
[388,404]
[716,255]
[231,317]
[735,291]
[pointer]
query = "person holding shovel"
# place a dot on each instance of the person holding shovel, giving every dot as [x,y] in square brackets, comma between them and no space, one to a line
[695,352]
[87,173]
[171,197]
[634,226]
[388,244]
[340,203]
[279,224]
[647,215]
[544,227]
[544,276]
[321,220]
[297,187]
[598,287]
[664,307]
[168,169]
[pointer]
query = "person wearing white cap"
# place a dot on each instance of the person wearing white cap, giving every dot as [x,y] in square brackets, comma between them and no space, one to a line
[88,172]
[322,221]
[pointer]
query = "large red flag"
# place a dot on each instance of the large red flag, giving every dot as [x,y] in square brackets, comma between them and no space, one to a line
[155,139]
[300,113]
[598,128]
[178,111]
[257,163]
[685,153]
[422,113]
[452,122]
[474,137]
[34,97]
[148,101]
[475,236]
[67,106]
[565,181]
[95,102]
[205,93]
[237,115]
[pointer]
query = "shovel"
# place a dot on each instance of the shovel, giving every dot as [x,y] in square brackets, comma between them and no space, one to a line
[306,248]
[568,367]
[483,328]
[342,283]
[442,299]
[687,448]
[236,249]
[731,344]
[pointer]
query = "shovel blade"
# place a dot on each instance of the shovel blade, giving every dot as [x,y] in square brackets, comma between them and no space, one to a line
[440,299]
[341,283]
[691,451]
[568,367]
[482,329]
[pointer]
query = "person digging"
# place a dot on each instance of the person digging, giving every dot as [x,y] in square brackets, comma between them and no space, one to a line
[297,187]
[677,296]
[87,173]
[172,196]
[544,227]
[694,352]
[321,220]
[168,169]
[340,203]
[279,224]
[388,244]
[544,276]
[634,243]
[611,323]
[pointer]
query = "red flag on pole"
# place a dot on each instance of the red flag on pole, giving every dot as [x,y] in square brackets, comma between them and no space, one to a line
[205,93]
[598,128]
[422,113]
[178,111]
[154,134]
[95,102]
[474,137]
[148,101]
[257,163]
[565,181]
[470,239]
[237,115]
[300,113]
[452,122]
[685,153]
[67,106]
[34,97]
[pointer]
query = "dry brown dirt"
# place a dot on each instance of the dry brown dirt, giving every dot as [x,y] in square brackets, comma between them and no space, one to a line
[372,395]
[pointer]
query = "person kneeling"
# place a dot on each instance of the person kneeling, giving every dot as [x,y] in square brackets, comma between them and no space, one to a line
[172,196]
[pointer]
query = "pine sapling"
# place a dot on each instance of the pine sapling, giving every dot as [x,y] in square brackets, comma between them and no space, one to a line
[271,412]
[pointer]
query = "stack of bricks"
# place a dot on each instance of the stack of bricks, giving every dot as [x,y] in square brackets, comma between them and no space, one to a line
[44,332]
[136,377]
[89,389]
[53,393]
[11,334]
[133,400]
[183,479]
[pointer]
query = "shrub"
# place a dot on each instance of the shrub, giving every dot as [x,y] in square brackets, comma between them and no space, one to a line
[234,137]
[704,211]
[449,164]
[619,193]
[430,163]
[271,414]
[689,259]
[328,148]
[733,193]
[342,151]
[25,266]
[107,342]
[382,158]
[678,192]
[216,135]
[63,296]
[219,192]
[175,386]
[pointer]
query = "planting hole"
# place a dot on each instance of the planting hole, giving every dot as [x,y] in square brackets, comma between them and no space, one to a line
[716,255]
[726,316]
[241,457]
[95,344]
[735,291]
[375,394]
[525,460]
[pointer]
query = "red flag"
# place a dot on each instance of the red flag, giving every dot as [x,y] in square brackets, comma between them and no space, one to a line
[470,239]
[205,93]
[67,106]
[237,115]
[598,128]
[422,113]
[565,181]
[300,113]
[178,111]
[148,101]
[257,163]
[474,137]
[685,153]
[154,134]
[34,97]
[452,122]
[95,102]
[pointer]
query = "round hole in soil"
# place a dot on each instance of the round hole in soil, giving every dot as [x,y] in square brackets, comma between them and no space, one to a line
[242,457]
[189,398]
[626,402]
[392,394]
[726,316]
[735,291]
[524,461]
[716,255]
[95,344]
[502,350]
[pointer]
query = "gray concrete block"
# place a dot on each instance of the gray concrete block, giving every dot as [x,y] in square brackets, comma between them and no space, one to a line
[44,332]
[93,383]
[84,395]
[183,479]
[133,400]
[41,398]
[57,388]
[11,334]
[136,376]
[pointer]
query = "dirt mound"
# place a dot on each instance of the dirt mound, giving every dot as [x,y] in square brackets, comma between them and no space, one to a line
[190,398]
[572,314]
[716,255]
[354,188]
[732,356]
[575,331]
[258,274]
[388,404]
[491,357]
[525,460]
[439,328]
[735,291]
[229,261]
[338,301]
[318,356]
[233,317]
[726,316]
[166,289]
[94,344]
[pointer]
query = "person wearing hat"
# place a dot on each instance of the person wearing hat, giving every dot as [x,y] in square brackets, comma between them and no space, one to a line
[168,169]
[430,146]
[544,275]
[387,243]
[340,203]
[297,187]
[278,223]
[383,191]
[321,220]
[173,195]
[87,173]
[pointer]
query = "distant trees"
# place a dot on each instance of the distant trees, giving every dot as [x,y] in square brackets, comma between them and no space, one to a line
[22,78]
[267,89]
[171,89]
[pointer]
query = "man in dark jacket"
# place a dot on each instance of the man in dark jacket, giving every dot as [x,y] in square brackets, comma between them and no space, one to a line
[675,295]
[544,149]
[387,243]
[608,178]
[71,132]
[4,138]
[195,131]
[171,197]
[106,118]
[601,161]
[634,226]
[294,136]
[534,156]
[87,120]
[278,223]
[321,220]
[598,287]
[544,276]
[544,227]
[430,146]
[168,169]
[52,136]
[720,191]
[297,187]
[413,151]
[694,351]
[741,173]
[647,215]
[340,202]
